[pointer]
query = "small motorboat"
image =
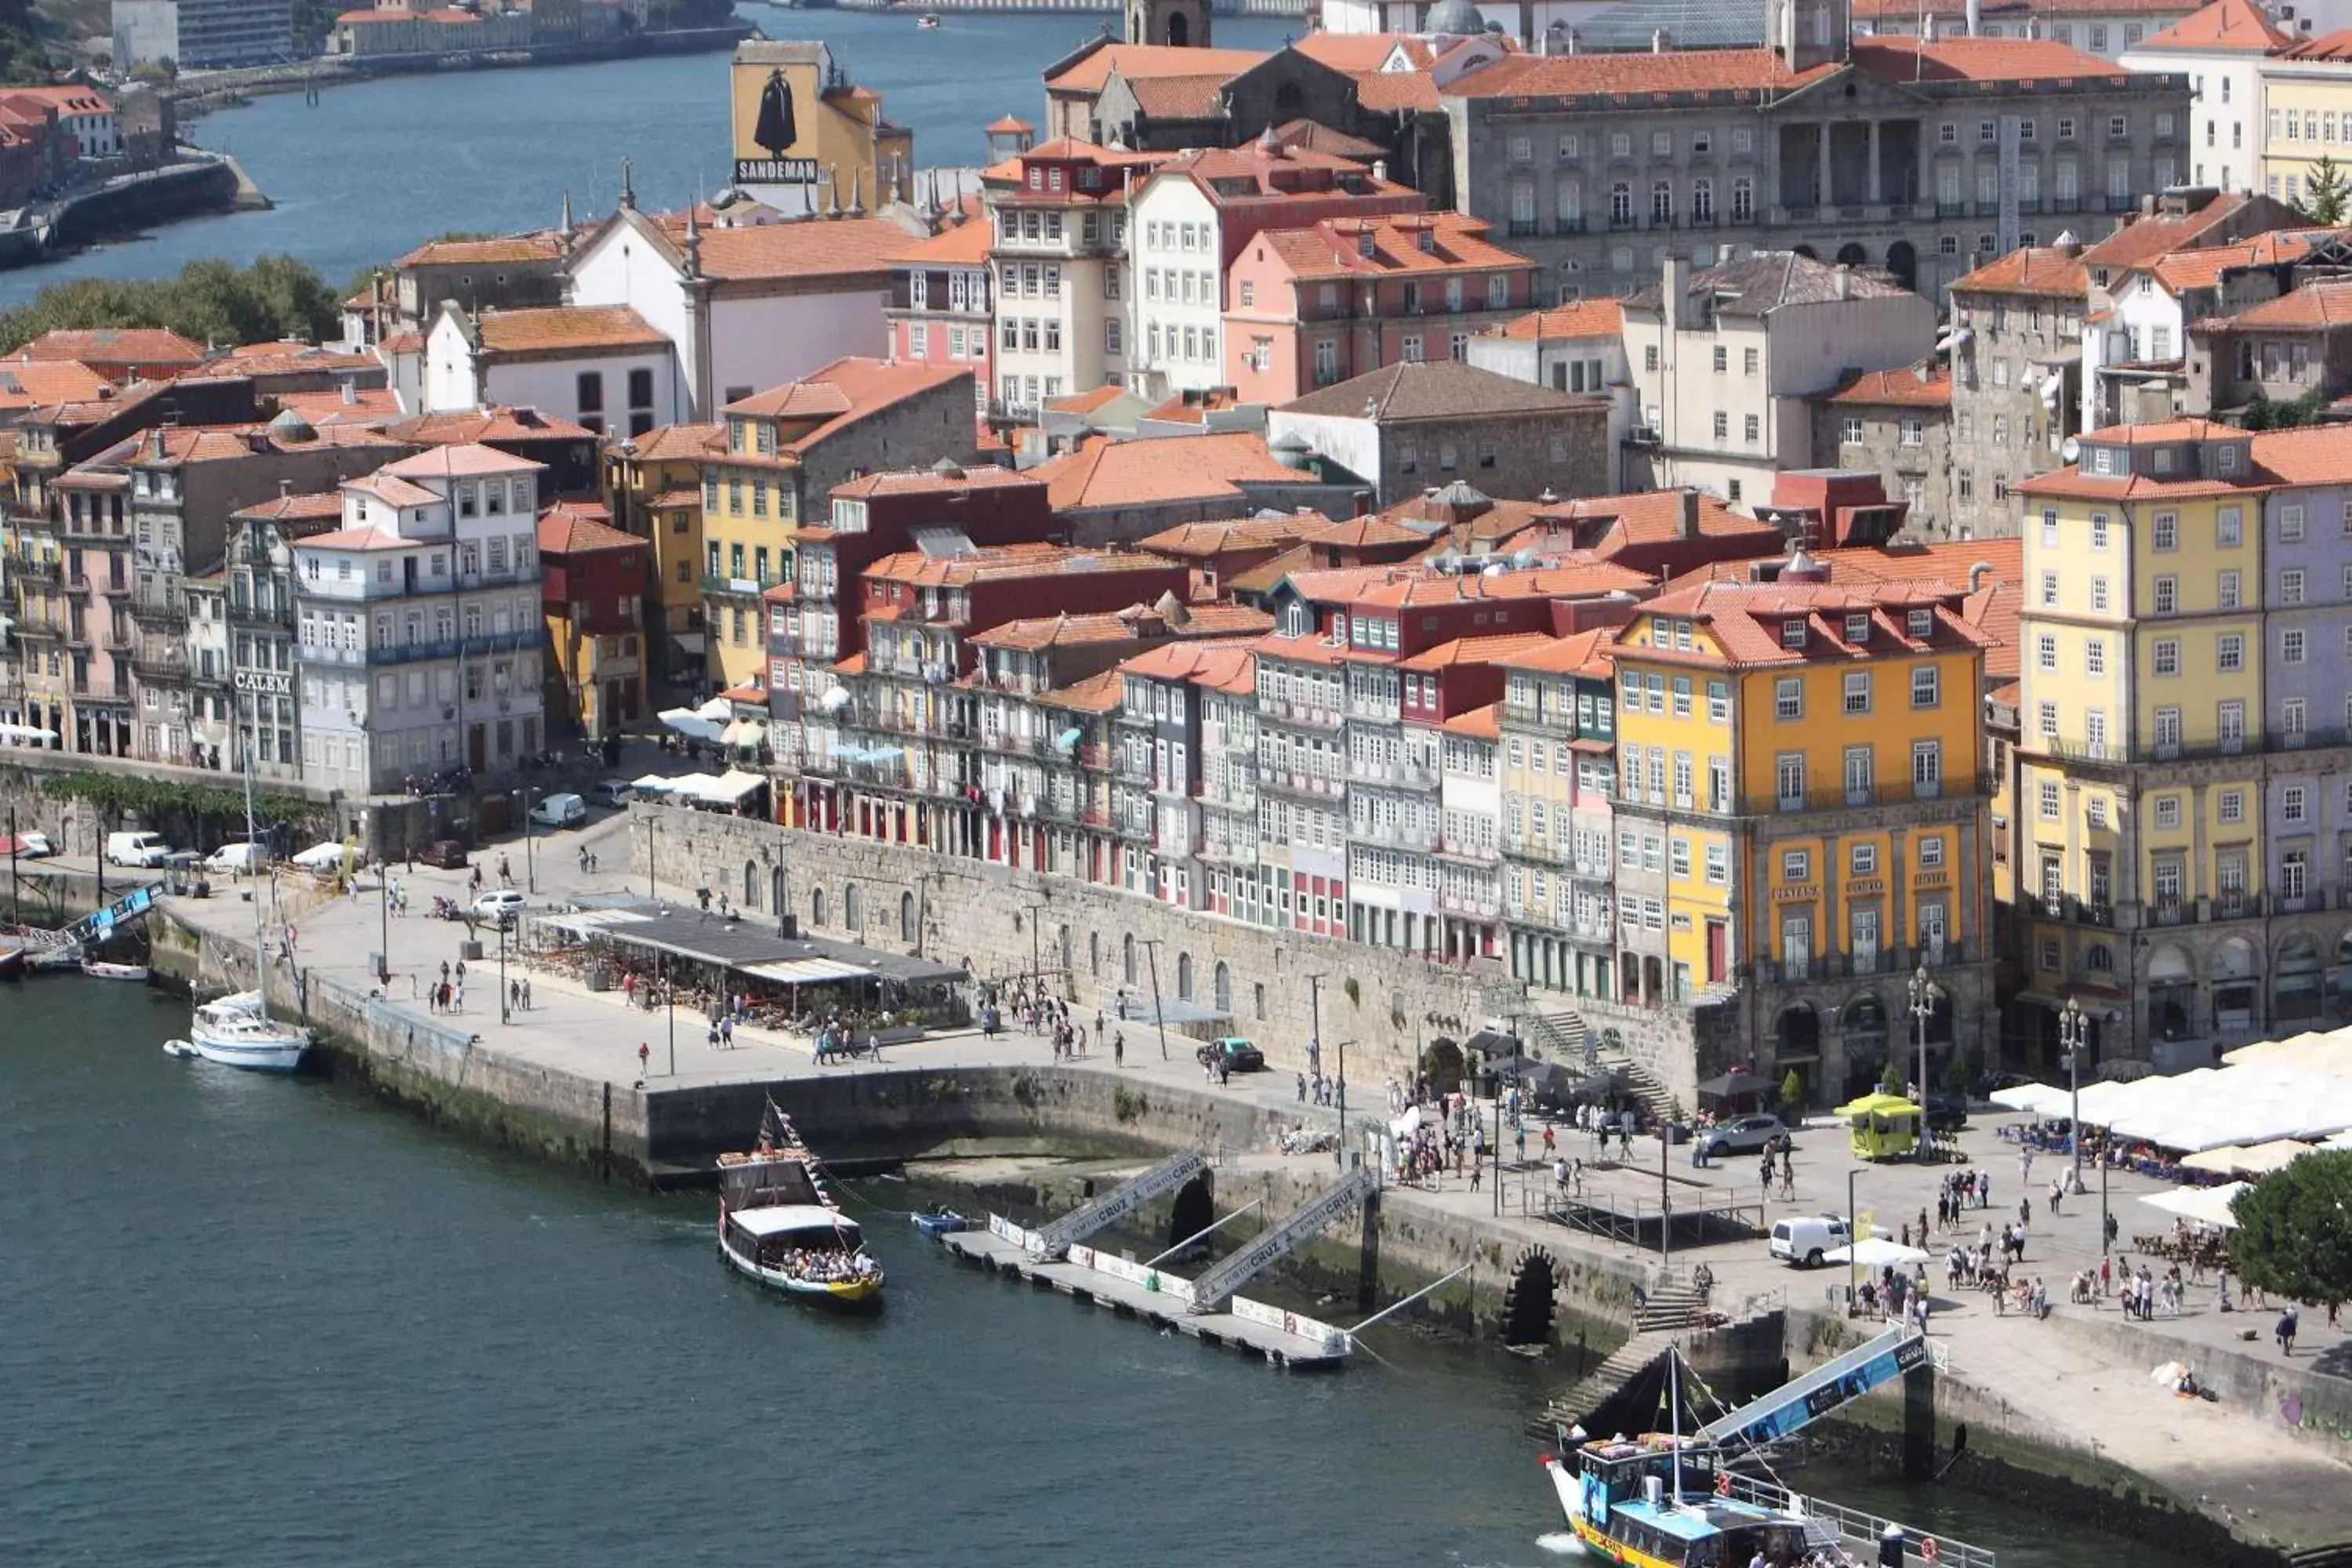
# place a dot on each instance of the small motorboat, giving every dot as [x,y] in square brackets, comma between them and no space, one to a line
[941,1221]
[927,21]
[179,1049]
[135,973]
[12,958]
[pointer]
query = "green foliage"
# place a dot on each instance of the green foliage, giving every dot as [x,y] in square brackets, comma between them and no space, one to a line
[313,20]
[114,794]
[160,72]
[1793,1087]
[2262,414]
[209,301]
[1127,1106]
[1891,1081]
[2294,1230]
[1960,1072]
[23,58]
[2326,192]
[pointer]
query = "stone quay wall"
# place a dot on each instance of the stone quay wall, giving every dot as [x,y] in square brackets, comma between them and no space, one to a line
[1386,1004]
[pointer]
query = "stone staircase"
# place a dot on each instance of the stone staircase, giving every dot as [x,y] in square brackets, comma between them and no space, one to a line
[1669,1307]
[1558,1033]
[1605,1381]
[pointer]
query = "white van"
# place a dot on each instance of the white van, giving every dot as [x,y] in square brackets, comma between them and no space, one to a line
[241,859]
[136,849]
[1803,1240]
[561,811]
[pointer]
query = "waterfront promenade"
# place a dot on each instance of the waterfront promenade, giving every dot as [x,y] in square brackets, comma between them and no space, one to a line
[2079,1381]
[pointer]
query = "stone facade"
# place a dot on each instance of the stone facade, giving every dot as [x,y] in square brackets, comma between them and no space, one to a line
[1386,1004]
[1907,446]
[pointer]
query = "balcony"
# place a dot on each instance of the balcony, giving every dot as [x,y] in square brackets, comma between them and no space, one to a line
[1484,906]
[1294,781]
[2079,911]
[311,652]
[1289,710]
[1887,792]
[158,660]
[1472,851]
[149,610]
[36,568]
[262,613]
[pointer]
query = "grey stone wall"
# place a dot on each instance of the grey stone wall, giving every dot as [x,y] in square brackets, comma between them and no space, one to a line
[1524,466]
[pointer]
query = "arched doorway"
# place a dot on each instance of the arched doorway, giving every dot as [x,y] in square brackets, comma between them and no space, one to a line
[1862,1029]
[1807,252]
[1062,946]
[1902,263]
[2233,986]
[906,917]
[2294,982]
[1195,1210]
[751,884]
[1180,29]
[816,906]
[2172,993]
[1852,254]
[851,907]
[1796,1043]
[1221,981]
[1528,1301]
[1183,977]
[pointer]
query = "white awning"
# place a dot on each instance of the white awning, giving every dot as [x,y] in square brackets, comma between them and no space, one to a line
[320,857]
[744,732]
[2038,1098]
[689,722]
[808,971]
[728,788]
[26,733]
[779,1218]
[653,783]
[2209,1205]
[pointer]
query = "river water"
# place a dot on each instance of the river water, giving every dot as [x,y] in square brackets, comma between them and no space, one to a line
[257,1322]
[375,167]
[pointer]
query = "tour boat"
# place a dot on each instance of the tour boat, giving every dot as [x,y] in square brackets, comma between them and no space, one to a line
[928,20]
[237,1030]
[779,1225]
[135,973]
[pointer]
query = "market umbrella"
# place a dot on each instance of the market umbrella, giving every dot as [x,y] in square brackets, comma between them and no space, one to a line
[1733,1086]
[1876,1252]
[689,722]
[2209,1205]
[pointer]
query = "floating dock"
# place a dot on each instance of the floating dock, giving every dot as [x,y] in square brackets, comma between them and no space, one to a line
[1284,1339]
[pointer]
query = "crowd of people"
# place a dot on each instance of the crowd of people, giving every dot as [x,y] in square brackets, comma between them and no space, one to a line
[828,1264]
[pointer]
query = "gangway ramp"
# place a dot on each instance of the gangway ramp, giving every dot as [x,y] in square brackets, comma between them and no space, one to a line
[1052,1241]
[1807,1399]
[1278,1240]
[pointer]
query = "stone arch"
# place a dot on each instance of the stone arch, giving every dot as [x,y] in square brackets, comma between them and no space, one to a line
[2099,958]
[1852,254]
[1528,1300]
[1221,986]
[816,906]
[851,908]
[1903,261]
[1195,1210]
[2172,991]
[1807,252]
[906,917]
[2296,981]
[751,880]
[1183,977]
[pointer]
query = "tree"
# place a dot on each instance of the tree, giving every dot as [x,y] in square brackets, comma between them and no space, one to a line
[1891,1081]
[209,301]
[1793,1087]
[2294,1230]
[2326,192]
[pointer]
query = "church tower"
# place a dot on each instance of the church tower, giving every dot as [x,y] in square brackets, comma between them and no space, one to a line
[1181,23]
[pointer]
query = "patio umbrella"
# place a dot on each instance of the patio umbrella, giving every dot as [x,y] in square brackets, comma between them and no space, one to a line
[1733,1086]
[689,723]
[1876,1252]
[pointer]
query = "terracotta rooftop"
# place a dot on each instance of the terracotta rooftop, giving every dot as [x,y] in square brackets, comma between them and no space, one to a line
[1355,52]
[2314,454]
[1493,649]
[1086,402]
[1585,319]
[316,506]
[1336,248]
[815,247]
[2030,270]
[459,460]
[1746,620]
[1673,70]
[1478,724]
[1768,280]
[1980,60]
[1179,97]
[1138,61]
[677,443]
[1204,541]
[1923,386]
[2143,239]
[1098,693]
[362,538]
[575,528]
[1317,137]
[1580,653]
[1219,666]
[114,345]
[938,479]
[2323,304]
[2181,270]
[837,396]
[514,249]
[28,383]
[1107,476]
[1010,124]
[486,425]
[1434,389]
[1943,564]
[2225,27]
[1996,610]
[567,329]
[2331,47]
[959,245]
[1005,561]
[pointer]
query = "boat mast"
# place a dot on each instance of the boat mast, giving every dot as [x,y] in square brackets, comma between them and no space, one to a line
[260,960]
[1675,1415]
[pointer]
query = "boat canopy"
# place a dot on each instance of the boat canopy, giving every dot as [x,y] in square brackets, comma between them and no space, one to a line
[782,1219]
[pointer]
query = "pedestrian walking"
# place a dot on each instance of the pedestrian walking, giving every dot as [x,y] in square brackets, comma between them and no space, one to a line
[461,997]
[1520,1137]
[2286,1327]
[514,995]
[526,992]
[1118,1050]
[645,1059]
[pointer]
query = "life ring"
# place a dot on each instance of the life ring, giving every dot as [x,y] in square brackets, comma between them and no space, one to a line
[1928,1550]
[1723,1483]
[1290,1322]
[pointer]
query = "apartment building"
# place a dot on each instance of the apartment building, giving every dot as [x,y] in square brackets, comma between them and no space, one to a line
[1309,307]
[2295,350]
[2182,723]
[2144,361]
[420,628]
[652,485]
[2017,350]
[1895,425]
[1883,154]
[1193,219]
[1798,780]
[2223,49]
[939,310]
[592,582]
[1557,741]
[1727,361]
[2307,98]
[2110,29]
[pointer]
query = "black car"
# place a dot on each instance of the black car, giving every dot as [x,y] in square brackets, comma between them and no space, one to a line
[1946,1112]
[1234,1053]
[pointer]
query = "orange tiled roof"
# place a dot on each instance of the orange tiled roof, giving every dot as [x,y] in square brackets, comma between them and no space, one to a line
[1179,97]
[2330,47]
[1675,70]
[114,345]
[1335,247]
[1355,52]
[1479,723]
[1923,385]
[1211,663]
[1491,649]
[1010,125]
[1004,562]
[316,506]
[817,248]
[934,481]
[1580,653]
[1357,533]
[2325,305]
[794,400]
[485,425]
[1137,61]
[1577,579]
[458,461]
[562,329]
[1585,319]
[1106,475]
[573,528]
[1199,540]
[1087,402]
[2181,270]
[1385,92]
[2238,26]
[1997,610]
[2143,239]
[1980,60]
[507,250]
[1100,693]
[2314,454]
[2030,270]
[679,442]
[959,245]
[1746,619]
[28,383]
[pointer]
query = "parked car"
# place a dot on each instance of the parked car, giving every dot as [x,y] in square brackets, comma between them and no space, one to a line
[446,853]
[499,907]
[1741,1135]
[1946,1112]
[1236,1054]
[613,792]
[135,849]
[32,845]
[1804,1240]
[565,810]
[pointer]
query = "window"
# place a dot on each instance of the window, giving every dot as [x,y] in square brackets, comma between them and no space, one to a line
[2164,531]
[2045,651]
[2290,586]
[2164,656]
[2293,645]
[1927,764]
[2095,656]
[1796,865]
[2291,804]
[1926,686]
[2227,590]
[2166,595]
[2233,806]
[2048,800]
[2230,651]
[1857,691]
[1789,698]
[2046,718]
[2291,522]
[2167,811]
[2229,522]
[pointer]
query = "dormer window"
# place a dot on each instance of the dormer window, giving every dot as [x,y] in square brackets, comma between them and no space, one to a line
[1857,629]
[2225,458]
[2164,460]
[2103,459]
[1792,634]
[1922,623]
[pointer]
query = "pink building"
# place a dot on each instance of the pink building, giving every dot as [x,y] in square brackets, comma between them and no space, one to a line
[938,310]
[1311,307]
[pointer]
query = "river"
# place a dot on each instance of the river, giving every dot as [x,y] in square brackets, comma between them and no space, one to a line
[375,167]
[261,1321]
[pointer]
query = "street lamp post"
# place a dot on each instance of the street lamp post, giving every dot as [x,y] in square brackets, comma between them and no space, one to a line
[383,911]
[1852,1234]
[1924,993]
[2074,1029]
[529,869]
[505,1015]
[669,1005]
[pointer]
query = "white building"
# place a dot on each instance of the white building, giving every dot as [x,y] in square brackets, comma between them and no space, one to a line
[602,367]
[419,626]
[1578,348]
[2222,49]
[748,305]
[203,35]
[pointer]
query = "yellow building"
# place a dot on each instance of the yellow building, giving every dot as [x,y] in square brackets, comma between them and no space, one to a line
[2306,114]
[653,487]
[2141,774]
[1800,811]
[799,121]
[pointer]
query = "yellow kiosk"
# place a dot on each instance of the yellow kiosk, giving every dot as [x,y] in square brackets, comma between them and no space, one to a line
[1883,1126]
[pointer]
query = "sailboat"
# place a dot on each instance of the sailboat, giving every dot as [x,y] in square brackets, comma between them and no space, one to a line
[238,1031]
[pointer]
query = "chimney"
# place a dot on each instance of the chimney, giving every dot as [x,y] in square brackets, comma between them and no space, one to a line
[1688,501]
[1674,293]
[1844,283]
[351,391]
[1974,16]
